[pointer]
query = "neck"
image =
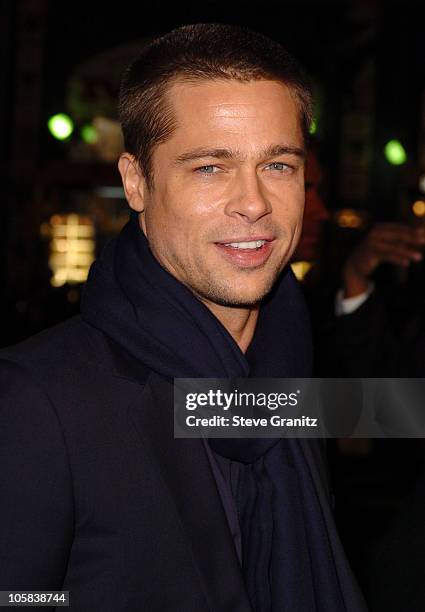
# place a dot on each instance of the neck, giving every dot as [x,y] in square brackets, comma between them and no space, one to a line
[239,322]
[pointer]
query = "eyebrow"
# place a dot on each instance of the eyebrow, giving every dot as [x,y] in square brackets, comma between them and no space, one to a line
[223,153]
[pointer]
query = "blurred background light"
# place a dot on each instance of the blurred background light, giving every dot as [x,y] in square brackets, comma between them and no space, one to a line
[60,126]
[72,247]
[395,153]
[110,192]
[89,134]
[349,218]
[301,269]
[419,208]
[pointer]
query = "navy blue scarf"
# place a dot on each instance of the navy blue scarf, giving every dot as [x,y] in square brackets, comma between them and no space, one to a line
[287,561]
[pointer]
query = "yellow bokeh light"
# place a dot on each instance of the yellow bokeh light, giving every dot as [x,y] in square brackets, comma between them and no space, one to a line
[301,269]
[72,248]
[419,208]
[348,218]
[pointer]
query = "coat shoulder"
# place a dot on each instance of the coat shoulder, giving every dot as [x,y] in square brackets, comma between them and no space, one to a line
[72,350]
[71,342]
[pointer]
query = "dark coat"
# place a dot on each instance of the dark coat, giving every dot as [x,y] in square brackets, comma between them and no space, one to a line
[98,498]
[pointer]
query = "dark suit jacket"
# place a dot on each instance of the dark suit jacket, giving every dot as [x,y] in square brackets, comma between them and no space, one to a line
[98,498]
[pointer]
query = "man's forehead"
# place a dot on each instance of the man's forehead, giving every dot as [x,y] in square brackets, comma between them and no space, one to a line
[228,107]
[228,95]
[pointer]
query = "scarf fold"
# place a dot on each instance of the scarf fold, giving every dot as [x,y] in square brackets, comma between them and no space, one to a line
[287,561]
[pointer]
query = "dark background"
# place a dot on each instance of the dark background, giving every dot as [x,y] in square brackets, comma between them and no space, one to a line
[366,62]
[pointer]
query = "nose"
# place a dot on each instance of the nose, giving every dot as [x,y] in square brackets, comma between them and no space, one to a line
[249,200]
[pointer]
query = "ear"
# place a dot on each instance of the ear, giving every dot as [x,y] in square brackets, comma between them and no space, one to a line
[133,182]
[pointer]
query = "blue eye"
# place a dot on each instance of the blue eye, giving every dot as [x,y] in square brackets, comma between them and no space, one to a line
[279,166]
[206,169]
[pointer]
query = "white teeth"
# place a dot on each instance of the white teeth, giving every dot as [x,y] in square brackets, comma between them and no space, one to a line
[255,244]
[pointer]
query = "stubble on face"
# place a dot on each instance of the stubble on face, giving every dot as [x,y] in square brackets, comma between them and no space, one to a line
[214,288]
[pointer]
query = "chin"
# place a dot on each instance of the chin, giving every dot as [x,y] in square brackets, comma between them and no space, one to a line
[238,298]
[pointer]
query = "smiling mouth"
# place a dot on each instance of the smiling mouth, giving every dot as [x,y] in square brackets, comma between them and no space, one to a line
[246,253]
[251,245]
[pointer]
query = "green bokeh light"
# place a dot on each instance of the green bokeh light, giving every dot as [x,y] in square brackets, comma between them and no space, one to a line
[89,134]
[60,126]
[313,127]
[395,153]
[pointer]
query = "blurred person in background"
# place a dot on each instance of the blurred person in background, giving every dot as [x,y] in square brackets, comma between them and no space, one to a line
[358,328]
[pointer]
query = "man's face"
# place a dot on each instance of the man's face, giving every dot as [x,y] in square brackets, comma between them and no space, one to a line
[225,213]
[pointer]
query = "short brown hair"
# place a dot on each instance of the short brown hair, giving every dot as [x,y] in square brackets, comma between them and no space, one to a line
[191,53]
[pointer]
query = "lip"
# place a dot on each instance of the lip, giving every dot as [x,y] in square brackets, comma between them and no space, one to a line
[246,239]
[246,258]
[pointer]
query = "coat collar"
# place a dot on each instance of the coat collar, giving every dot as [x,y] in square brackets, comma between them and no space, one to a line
[187,474]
